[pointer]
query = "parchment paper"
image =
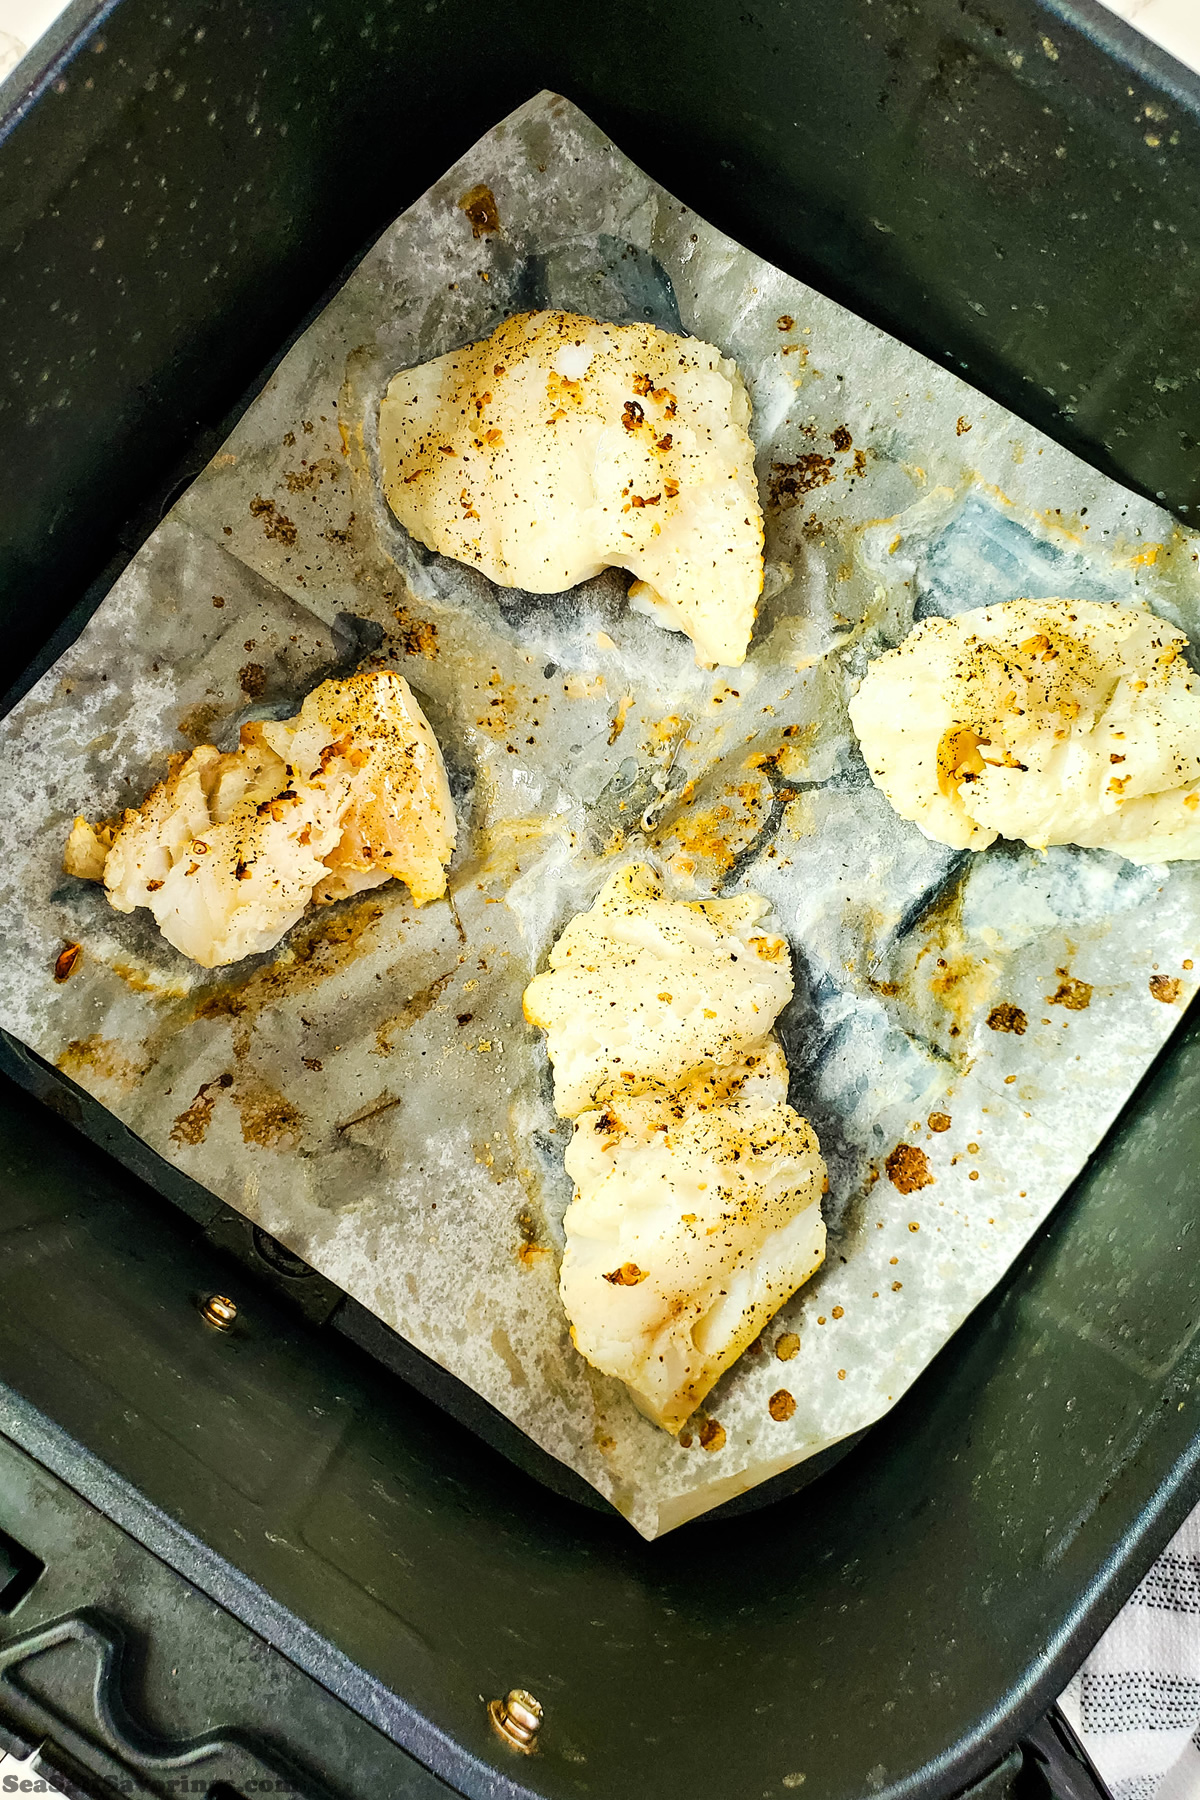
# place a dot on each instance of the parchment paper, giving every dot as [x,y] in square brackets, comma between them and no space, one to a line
[369,1093]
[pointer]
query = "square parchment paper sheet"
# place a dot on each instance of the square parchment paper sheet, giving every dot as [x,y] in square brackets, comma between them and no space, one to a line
[369,1093]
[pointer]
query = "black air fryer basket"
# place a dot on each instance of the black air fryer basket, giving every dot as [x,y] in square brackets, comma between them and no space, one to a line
[268,1555]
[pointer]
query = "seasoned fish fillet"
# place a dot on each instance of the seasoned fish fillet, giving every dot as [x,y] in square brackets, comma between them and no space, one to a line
[1049,721]
[694,1218]
[697,1189]
[559,446]
[229,850]
[642,990]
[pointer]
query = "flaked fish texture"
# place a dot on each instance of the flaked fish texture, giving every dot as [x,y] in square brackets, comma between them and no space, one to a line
[693,1221]
[643,990]
[697,1204]
[560,446]
[1047,721]
[230,849]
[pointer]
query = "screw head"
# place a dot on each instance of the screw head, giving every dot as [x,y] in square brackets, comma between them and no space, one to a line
[219,1310]
[517,1719]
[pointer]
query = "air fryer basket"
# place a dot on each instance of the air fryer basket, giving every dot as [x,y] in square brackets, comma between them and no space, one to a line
[1014,189]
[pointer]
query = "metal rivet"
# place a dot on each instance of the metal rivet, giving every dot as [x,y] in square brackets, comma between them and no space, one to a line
[518,1719]
[219,1310]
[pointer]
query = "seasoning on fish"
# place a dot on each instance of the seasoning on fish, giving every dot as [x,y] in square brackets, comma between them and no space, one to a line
[229,850]
[1046,721]
[641,990]
[559,446]
[697,1211]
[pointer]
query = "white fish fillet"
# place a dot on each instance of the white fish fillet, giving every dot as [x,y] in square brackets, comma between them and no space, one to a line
[694,1219]
[697,1189]
[642,990]
[229,850]
[1047,721]
[559,446]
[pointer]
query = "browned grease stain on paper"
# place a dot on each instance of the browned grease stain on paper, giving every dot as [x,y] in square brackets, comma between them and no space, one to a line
[1072,993]
[908,1168]
[933,973]
[958,980]
[276,525]
[508,1356]
[415,1009]
[151,981]
[103,1059]
[529,1250]
[479,204]
[191,1127]
[268,1118]
[197,723]
[718,834]
[311,474]
[418,637]
[788,482]
[319,946]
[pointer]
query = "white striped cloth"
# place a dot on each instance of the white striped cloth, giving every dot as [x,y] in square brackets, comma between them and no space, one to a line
[1135,1704]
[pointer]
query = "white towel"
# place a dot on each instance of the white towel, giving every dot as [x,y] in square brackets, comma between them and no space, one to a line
[1135,1704]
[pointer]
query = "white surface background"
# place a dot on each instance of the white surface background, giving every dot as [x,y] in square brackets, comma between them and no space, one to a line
[1138,1764]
